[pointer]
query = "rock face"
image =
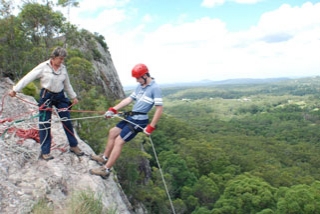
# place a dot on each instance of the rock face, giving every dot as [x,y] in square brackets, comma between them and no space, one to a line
[105,72]
[107,75]
[25,180]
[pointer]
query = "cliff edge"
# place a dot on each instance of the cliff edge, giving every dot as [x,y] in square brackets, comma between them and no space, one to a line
[26,181]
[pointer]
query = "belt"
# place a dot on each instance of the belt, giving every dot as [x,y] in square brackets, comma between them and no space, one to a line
[131,113]
[136,113]
[46,90]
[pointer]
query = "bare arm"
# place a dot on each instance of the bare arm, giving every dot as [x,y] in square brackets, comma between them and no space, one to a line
[123,103]
[156,116]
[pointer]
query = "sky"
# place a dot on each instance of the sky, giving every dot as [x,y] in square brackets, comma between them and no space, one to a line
[195,40]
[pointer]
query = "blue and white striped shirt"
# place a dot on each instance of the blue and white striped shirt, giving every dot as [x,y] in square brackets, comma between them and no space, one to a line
[145,98]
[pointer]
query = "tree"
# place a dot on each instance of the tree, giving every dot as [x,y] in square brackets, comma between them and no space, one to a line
[5,8]
[15,48]
[206,191]
[299,199]
[41,23]
[68,4]
[176,167]
[246,194]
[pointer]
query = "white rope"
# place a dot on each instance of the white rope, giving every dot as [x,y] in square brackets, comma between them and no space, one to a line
[153,148]
[157,160]
[163,180]
[83,118]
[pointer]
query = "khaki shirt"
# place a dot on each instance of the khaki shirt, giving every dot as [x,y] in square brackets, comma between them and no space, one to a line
[54,81]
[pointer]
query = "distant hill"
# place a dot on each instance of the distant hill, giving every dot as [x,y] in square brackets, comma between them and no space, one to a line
[226,82]
[220,82]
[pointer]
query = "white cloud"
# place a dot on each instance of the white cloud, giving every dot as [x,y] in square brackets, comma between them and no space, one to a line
[147,18]
[99,17]
[212,3]
[285,42]
[291,19]
[95,5]
[190,34]
[247,1]
[294,55]
[104,20]
[173,52]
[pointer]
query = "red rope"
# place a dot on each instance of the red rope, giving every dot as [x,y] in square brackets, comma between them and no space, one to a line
[6,120]
[34,133]
[25,134]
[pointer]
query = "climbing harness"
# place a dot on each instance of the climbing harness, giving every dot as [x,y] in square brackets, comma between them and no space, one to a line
[130,113]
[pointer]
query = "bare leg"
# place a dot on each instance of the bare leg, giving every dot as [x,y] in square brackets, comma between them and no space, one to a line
[116,151]
[113,134]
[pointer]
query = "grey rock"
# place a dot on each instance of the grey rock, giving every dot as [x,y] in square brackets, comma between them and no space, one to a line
[25,180]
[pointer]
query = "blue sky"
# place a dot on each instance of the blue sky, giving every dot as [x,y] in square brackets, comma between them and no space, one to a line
[193,40]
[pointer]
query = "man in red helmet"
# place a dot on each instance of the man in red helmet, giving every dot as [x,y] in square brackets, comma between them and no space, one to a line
[146,95]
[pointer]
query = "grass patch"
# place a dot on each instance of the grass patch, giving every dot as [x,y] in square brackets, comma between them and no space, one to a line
[42,207]
[85,202]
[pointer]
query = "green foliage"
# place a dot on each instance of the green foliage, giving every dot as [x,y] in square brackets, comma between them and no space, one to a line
[101,41]
[91,97]
[96,55]
[206,191]
[30,89]
[81,72]
[176,169]
[93,131]
[41,22]
[85,202]
[42,207]
[246,194]
[299,199]
[72,35]
[271,134]
[68,3]
[14,48]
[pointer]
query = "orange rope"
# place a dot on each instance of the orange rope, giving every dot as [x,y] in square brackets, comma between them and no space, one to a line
[28,133]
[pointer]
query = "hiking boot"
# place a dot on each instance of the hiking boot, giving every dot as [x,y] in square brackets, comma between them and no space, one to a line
[46,157]
[99,159]
[102,171]
[76,150]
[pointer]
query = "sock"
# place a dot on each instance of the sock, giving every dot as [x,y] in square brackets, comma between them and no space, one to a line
[104,157]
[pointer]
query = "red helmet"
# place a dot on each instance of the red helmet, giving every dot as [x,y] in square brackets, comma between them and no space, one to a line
[139,70]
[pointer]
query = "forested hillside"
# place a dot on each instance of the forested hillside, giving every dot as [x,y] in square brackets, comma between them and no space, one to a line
[237,149]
